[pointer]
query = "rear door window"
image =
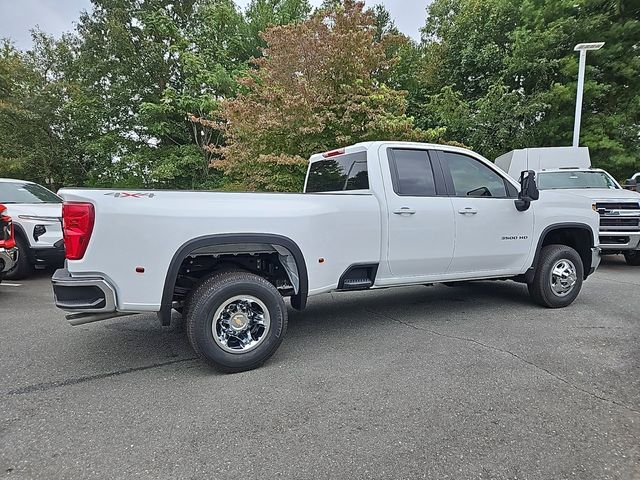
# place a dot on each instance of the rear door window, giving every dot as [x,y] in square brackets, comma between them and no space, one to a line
[412,173]
[345,172]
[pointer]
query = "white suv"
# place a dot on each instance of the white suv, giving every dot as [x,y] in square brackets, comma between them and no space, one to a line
[36,214]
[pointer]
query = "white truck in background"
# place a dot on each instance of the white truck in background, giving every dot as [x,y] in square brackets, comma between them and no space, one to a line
[569,169]
[372,215]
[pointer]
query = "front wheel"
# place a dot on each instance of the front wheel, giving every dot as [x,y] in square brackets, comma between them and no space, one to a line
[632,257]
[558,278]
[236,321]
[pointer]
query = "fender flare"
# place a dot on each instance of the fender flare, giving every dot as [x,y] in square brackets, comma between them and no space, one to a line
[298,301]
[550,228]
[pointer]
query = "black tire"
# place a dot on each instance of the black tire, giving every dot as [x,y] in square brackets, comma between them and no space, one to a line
[214,292]
[632,258]
[540,288]
[24,267]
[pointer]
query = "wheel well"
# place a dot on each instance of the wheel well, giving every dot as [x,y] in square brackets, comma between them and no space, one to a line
[578,238]
[18,231]
[264,262]
[277,259]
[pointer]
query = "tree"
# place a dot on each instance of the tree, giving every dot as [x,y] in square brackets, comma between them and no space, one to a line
[35,127]
[317,87]
[510,70]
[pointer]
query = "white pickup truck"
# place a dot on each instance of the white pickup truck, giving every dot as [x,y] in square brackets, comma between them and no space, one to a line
[373,215]
[569,169]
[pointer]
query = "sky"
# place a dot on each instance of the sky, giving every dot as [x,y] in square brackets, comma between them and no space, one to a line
[17,17]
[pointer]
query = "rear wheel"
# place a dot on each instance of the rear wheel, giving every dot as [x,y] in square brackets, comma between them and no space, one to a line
[236,321]
[558,278]
[632,257]
[24,267]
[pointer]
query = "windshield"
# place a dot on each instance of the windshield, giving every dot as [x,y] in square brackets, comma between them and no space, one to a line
[13,192]
[576,179]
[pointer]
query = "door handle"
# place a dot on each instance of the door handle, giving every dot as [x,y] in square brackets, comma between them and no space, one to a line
[404,211]
[467,211]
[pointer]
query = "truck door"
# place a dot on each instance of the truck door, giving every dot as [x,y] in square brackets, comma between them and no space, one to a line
[492,237]
[420,213]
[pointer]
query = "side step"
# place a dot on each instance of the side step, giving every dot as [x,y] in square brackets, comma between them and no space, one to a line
[358,277]
[350,283]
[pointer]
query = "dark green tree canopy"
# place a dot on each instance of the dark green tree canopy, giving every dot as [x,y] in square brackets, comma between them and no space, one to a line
[501,74]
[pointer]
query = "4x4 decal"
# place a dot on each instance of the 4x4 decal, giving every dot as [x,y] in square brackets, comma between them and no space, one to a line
[131,195]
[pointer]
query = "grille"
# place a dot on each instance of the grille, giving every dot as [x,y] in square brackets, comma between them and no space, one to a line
[613,240]
[618,205]
[618,222]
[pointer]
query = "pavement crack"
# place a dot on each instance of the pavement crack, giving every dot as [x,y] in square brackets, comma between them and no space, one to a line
[41,387]
[507,352]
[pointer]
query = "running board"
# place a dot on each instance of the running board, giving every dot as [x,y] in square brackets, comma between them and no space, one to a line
[81,318]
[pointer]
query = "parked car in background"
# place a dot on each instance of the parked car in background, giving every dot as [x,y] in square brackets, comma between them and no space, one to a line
[373,215]
[36,213]
[569,169]
[8,250]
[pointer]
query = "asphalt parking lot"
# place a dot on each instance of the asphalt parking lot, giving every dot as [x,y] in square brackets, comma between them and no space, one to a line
[421,382]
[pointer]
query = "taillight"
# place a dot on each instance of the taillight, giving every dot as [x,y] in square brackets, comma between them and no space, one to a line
[77,225]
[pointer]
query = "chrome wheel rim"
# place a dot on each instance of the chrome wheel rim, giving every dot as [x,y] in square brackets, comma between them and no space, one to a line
[563,277]
[240,324]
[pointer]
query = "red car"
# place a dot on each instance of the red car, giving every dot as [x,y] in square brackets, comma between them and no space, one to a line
[8,250]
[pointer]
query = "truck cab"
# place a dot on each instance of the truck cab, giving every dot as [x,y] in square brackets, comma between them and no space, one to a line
[569,169]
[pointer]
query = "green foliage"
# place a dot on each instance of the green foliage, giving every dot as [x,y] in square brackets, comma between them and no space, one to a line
[318,87]
[121,102]
[501,75]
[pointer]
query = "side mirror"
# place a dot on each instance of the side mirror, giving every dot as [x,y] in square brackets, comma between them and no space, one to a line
[528,190]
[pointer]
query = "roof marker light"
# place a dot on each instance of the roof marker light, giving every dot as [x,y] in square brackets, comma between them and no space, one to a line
[333,153]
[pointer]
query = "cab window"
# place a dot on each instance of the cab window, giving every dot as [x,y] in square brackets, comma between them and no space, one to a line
[471,178]
[412,173]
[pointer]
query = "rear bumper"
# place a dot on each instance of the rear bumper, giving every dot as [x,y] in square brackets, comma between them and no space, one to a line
[82,294]
[8,259]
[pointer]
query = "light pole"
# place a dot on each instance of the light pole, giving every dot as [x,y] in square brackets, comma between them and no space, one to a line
[582,48]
